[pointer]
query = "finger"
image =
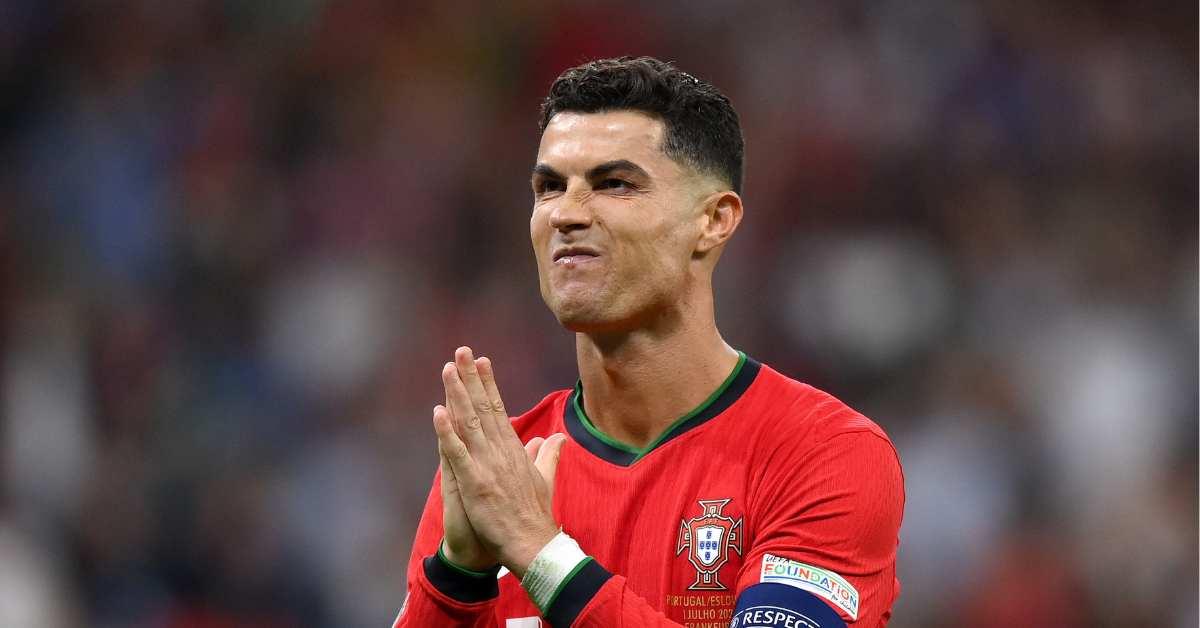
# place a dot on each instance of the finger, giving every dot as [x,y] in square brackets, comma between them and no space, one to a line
[468,372]
[450,491]
[449,483]
[488,376]
[466,421]
[547,457]
[451,448]
[532,447]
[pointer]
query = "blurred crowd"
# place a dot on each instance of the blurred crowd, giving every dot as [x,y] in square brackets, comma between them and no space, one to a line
[238,240]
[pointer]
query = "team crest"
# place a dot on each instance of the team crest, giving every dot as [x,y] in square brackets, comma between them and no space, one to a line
[708,539]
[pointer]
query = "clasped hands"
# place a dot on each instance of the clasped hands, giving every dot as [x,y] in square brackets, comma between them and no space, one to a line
[496,492]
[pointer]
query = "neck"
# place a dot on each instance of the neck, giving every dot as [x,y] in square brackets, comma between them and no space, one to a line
[636,384]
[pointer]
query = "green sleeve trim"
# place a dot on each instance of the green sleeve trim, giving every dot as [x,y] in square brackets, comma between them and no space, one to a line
[639,453]
[463,570]
[565,581]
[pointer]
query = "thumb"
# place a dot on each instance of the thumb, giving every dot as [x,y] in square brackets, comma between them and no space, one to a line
[547,458]
[533,446]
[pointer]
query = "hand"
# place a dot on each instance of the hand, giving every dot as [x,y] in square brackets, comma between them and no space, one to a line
[459,543]
[505,489]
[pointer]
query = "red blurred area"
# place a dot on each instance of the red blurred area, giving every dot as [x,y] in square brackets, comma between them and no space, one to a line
[238,241]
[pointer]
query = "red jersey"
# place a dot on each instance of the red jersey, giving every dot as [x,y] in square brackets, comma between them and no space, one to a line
[771,487]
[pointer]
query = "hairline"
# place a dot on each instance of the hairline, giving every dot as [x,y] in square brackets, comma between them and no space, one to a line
[691,171]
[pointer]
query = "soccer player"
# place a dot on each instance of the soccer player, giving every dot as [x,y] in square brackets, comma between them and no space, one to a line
[680,482]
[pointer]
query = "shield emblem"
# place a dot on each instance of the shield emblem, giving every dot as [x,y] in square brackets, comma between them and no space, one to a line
[709,541]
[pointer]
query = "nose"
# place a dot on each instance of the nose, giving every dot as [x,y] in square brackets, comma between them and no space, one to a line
[570,213]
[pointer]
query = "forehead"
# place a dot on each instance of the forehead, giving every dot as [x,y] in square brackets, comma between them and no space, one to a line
[574,141]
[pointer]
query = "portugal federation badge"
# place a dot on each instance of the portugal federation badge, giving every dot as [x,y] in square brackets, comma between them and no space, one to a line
[708,539]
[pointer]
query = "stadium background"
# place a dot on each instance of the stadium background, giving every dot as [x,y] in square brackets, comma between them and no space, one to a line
[238,240]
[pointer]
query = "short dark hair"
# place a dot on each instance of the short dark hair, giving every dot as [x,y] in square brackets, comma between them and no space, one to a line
[702,129]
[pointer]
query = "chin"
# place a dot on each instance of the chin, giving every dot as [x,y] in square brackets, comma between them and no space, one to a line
[578,319]
[598,320]
[581,315]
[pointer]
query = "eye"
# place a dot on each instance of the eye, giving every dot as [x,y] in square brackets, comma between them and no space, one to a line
[615,184]
[545,186]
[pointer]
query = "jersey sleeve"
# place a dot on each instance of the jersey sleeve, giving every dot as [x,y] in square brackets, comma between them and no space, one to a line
[594,598]
[838,542]
[440,594]
[826,561]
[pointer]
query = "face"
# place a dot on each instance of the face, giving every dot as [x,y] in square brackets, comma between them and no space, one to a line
[615,221]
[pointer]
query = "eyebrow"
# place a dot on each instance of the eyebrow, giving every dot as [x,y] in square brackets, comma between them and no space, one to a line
[542,170]
[595,172]
[609,167]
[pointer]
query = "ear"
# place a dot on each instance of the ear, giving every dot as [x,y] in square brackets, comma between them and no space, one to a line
[722,215]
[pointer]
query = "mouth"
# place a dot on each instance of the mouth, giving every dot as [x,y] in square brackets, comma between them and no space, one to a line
[571,255]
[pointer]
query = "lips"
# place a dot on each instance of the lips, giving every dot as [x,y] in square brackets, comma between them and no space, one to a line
[571,260]
[570,255]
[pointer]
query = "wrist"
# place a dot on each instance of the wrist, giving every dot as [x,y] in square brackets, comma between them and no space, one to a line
[551,569]
[467,565]
[459,584]
[523,554]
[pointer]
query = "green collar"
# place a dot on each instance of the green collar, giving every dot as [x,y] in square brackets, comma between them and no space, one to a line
[581,428]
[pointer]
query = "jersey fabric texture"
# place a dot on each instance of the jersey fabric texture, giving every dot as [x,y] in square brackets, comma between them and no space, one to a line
[771,491]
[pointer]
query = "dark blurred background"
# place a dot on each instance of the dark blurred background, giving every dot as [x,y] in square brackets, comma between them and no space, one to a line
[239,239]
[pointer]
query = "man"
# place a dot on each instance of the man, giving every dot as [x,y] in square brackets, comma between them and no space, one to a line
[680,482]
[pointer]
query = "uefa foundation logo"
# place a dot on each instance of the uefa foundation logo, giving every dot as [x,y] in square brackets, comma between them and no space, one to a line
[708,539]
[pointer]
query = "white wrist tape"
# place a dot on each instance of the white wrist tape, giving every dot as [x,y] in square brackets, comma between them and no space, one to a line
[550,569]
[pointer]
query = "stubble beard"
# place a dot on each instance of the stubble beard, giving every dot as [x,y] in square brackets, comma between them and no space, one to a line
[611,312]
[583,313]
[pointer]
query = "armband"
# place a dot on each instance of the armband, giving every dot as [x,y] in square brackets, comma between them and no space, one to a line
[771,605]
